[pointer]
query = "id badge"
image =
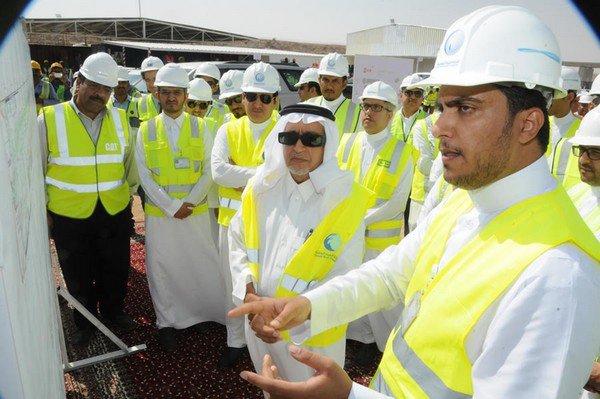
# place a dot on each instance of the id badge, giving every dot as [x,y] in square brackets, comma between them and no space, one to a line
[411,311]
[182,163]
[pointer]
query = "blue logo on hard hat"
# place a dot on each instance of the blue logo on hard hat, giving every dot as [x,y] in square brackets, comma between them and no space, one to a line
[548,54]
[229,83]
[454,42]
[331,63]
[332,242]
[259,77]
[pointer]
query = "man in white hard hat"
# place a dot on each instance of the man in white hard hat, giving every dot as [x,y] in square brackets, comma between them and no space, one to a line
[414,126]
[308,85]
[383,164]
[333,79]
[148,105]
[238,151]
[231,93]
[199,100]
[584,100]
[300,224]
[211,74]
[121,99]
[500,283]
[173,156]
[90,171]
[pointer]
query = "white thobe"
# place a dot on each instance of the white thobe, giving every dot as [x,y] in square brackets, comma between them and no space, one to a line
[334,104]
[288,212]
[234,176]
[538,340]
[182,262]
[560,127]
[376,327]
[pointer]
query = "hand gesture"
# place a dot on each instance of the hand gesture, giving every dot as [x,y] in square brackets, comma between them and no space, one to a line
[185,210]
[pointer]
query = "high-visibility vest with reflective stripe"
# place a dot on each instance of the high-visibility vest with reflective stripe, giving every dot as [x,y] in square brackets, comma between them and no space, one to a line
[397,127]
[44,94]
[177,181]
[347,114]
[426,357]
[418,192]
[79,172]
[579,193]
[132,112]
[146,108]
[565,165]
[211,124]
[382,178]
[317,256]
[217,112]
[243,151]
[550,151]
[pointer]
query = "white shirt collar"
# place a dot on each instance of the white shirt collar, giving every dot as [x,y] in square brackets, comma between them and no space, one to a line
[178,121]
[596,191]
[258,126]
[306,189]
[373,138]
[530,181]
[335,103]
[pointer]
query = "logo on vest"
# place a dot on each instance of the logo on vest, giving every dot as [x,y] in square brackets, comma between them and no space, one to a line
[111,147]
[332,242]
[384,163]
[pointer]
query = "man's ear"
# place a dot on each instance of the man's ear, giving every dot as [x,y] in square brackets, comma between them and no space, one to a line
[530,122]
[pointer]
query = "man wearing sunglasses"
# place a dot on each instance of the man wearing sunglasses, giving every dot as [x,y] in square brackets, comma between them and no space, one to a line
[300,224]
[198,102]
[238,151]
[308,85]
[383,164]
[413,126]
[182,261]
[500,284]
[231,94]
[90,172]
[333,79]
[148,105]
[211,74]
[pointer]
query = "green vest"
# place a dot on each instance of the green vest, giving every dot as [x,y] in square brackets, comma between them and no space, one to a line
[579,193]
[565,165]
[382,178]
[146,108]
[347,114]
[175,171]
[425,356]
[317,256]
[78,172]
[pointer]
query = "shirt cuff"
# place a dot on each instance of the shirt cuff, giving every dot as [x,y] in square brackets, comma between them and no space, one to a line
[174,207]
[319,310]
[362,392]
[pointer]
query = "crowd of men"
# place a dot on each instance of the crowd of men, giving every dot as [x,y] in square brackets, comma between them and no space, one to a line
[424,223]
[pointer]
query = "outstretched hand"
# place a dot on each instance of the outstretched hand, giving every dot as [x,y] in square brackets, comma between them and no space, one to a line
[330,381]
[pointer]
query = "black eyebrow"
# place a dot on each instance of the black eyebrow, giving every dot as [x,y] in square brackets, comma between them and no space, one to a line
[457,102]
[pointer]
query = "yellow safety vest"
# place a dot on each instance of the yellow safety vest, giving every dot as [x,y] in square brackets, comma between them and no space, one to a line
[317,256]
[347,114]
[132,112]
[570,133]
[176,172]
[78,172]
[217,112]
[212,125]
[146,108]
[418,192]
[244,152]
[425,356]
[578,194]
[382,178]
[44,94]
[565,165]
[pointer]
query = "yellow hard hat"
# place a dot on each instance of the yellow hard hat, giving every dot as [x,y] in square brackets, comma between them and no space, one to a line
[56,65]
[35,65]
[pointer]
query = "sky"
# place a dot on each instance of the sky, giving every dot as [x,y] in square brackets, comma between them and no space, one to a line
[318,21]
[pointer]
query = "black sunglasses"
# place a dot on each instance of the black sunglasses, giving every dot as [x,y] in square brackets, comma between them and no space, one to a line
[201,104]
[231,100]
[309,139]
[414,93]
[264,98]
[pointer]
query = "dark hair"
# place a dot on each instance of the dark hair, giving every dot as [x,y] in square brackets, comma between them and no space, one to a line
[520,99]
[316,86]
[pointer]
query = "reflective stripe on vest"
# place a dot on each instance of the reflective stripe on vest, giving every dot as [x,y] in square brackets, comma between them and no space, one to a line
[397,127]
[428,345]
[161,159]
[317,256]
[565,165]
[418,191]
[382,178]
[79,171]
[347,114]
[146,107]
[579,194]
[244,152]
[45,90]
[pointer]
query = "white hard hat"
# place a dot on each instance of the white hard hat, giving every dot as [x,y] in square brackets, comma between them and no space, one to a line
[589,130]
[172,75]
[151,64]
[100,68]
[380,91]
[569,79]
[208,69]
[334,64]
[123,74]
[231,84]
[498,44]
[585,99]
[260,78]
[309,75]
[412,81]
[595,90]
[200,90]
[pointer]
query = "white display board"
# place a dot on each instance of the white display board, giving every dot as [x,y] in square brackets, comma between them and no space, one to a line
[369,69]
[30,361]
